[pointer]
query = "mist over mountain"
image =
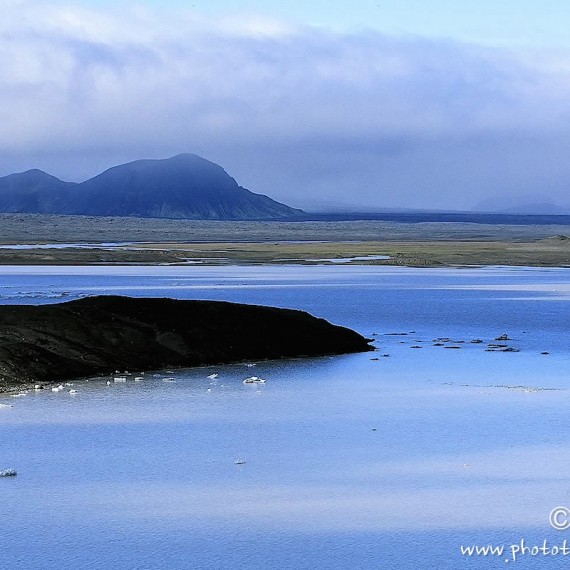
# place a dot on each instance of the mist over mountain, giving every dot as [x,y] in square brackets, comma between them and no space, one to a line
[185,186]
[526,205]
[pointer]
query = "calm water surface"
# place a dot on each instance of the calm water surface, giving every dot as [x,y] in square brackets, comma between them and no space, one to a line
[350,462]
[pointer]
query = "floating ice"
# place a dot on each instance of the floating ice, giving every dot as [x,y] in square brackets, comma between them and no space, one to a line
[254,380]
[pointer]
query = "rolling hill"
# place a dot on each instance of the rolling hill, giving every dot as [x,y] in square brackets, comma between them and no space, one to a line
[185,186]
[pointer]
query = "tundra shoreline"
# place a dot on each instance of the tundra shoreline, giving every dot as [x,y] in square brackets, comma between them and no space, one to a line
[182,242]
[548,252]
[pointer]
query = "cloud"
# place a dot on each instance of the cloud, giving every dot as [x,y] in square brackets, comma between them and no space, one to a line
[298,113]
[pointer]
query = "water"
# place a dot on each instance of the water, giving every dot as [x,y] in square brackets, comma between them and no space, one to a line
[349,462]
[108,245]
[349,259]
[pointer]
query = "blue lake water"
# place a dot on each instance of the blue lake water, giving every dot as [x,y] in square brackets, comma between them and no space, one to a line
[349,462]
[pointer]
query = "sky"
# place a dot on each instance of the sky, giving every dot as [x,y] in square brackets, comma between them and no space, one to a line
[361,105]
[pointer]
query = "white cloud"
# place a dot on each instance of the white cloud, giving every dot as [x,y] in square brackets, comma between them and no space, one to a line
[288,112]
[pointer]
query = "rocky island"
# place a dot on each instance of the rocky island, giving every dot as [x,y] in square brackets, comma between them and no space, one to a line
[98,335]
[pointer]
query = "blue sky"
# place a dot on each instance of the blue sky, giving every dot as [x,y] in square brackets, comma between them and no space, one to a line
[499,22]
[363,104]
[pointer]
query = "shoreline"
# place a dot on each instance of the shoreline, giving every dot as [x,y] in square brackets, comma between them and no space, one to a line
[84,240]
[547,252]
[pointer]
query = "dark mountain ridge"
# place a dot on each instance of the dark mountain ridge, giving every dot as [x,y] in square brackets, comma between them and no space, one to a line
[185,186]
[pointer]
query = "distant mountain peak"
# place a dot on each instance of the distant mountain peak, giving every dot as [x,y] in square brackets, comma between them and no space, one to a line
[184,186]
[190,157]
[32,174]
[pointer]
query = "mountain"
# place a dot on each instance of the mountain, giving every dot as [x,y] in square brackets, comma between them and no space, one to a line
[33,191]
[185,186]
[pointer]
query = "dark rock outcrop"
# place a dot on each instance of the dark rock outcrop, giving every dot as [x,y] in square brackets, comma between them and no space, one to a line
[102,334]
[185,186]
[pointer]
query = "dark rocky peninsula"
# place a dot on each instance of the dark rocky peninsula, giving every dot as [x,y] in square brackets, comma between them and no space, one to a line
[98,335]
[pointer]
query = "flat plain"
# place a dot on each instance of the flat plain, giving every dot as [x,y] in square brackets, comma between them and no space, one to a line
[164,241]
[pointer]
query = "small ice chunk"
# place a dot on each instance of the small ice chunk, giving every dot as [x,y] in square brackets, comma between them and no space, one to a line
[254,380]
